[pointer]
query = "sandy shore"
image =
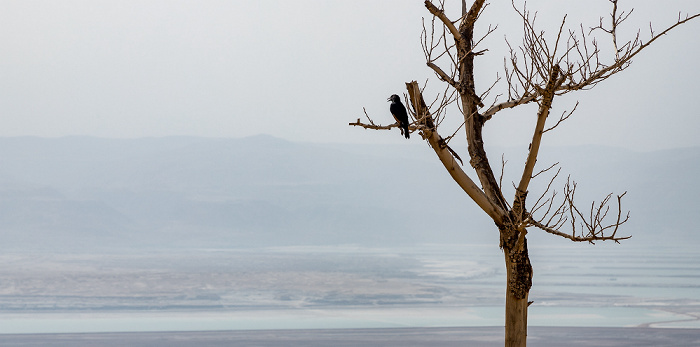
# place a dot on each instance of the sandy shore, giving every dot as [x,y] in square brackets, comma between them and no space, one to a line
[405,337]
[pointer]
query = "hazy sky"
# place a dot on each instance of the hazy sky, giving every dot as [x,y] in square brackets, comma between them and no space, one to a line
[302,70]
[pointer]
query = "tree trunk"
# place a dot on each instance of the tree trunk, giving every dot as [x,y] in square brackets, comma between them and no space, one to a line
[519,281]
[516,317]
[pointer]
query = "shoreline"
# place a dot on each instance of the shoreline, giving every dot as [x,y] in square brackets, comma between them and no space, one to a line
[338,318]
[380,337]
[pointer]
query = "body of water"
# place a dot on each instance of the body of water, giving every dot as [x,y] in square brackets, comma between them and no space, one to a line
[342,287]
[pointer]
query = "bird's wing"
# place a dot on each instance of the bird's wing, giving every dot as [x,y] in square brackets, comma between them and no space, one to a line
[399,112]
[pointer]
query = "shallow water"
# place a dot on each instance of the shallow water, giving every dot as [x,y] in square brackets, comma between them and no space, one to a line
[322,319]
[342,287]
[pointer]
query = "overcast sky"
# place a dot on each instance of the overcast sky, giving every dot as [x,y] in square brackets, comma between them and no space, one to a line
[302,70]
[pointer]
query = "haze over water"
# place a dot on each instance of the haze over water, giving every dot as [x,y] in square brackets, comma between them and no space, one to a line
[180,234]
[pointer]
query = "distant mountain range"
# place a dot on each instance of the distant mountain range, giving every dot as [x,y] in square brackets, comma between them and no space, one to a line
[93,193]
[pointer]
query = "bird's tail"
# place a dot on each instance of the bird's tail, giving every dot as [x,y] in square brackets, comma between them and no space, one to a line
[405,131]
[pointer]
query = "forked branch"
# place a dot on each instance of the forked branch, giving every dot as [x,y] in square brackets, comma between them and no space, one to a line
[591,227]
[440,14]
[577,52]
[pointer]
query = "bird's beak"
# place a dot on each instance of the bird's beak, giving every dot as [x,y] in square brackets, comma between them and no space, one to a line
[388,99]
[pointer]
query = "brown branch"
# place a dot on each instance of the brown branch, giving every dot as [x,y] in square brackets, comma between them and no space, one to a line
[469,20]
[621,62]
[542,113]
[446,21]
[373,126]
[593,227]
[429,132]
[503,168]
[508,104]
[563,117]
[545,170]
[366,115]
[442,75]
[590,238]
[442,143]
[537,204]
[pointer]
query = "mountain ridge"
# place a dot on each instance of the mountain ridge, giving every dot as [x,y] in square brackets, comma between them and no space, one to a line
[264,191]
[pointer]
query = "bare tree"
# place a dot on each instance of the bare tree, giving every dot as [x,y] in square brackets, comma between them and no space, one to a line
[542,67]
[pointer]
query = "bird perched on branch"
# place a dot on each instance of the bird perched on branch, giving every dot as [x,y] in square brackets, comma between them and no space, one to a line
[399,112]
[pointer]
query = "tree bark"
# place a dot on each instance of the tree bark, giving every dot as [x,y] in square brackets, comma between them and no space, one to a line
[516,321]
[519,282]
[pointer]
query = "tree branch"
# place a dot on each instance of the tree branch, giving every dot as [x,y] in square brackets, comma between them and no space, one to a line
[508,104]
[589,238]
[593,227]
[443,76]
[542,113]
[472,15]
[429,133]
[563,117]
[621,62]
[446,21]
[373,126]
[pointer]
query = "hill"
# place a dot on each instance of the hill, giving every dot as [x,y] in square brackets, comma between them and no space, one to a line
[82,192]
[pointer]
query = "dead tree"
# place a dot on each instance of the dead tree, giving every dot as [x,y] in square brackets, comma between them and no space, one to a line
[541,68]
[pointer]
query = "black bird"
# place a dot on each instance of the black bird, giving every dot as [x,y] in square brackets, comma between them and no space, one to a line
[399,112]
